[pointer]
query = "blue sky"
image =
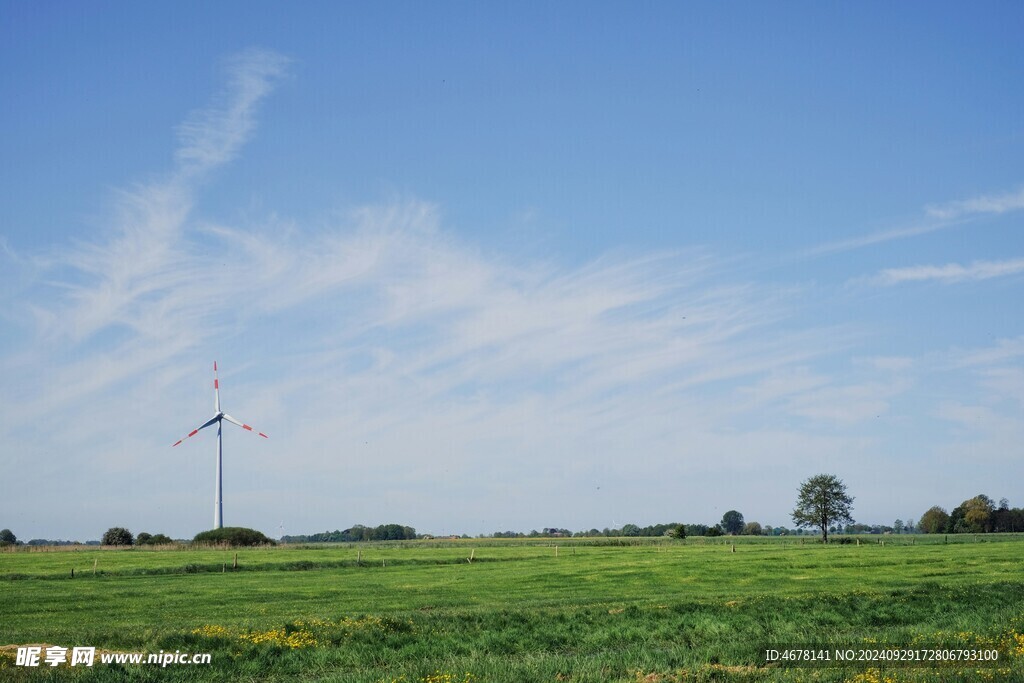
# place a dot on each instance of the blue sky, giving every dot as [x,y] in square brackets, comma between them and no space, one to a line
[478,267]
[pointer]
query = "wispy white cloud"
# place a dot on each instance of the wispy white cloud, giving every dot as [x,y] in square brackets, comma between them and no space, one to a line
[984,412]
[982,433]
[848,403]
[800,392]
[978,206]
[1005,383]
[937,217]
[122,278]
[950,272]
[212,136]
[130,300]
[1003,351]
[888,363]
[874,238]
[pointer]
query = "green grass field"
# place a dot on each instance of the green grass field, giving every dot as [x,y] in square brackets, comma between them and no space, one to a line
[520,611]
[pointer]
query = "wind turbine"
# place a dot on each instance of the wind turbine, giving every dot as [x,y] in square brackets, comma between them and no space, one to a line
[218,417]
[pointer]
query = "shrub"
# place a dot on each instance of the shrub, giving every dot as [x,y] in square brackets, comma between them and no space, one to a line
[117,536]
[153,539]
[233,535]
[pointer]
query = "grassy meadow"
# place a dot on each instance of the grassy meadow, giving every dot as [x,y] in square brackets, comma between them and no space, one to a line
[586,610]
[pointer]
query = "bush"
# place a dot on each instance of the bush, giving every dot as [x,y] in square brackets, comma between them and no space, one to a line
[233,535]
[117,536]
[152,539]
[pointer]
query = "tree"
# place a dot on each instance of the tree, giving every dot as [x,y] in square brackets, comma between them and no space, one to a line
[732,522]
[1003,517]
[821,501]
[117,536]
[897,526]
[7,537]
[978,511]
[752,529]
[935,520]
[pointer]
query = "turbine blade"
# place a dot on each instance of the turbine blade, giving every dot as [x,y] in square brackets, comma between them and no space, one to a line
[195,431]
[216,389]
[244,426]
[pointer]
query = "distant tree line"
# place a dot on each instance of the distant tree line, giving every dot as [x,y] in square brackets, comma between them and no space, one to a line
[626,530]
[120,536]
[384,532]
[978,515]
[7,538]
[671,529]
[872,529]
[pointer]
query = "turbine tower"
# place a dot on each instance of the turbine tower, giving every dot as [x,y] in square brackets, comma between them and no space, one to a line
[217,419]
